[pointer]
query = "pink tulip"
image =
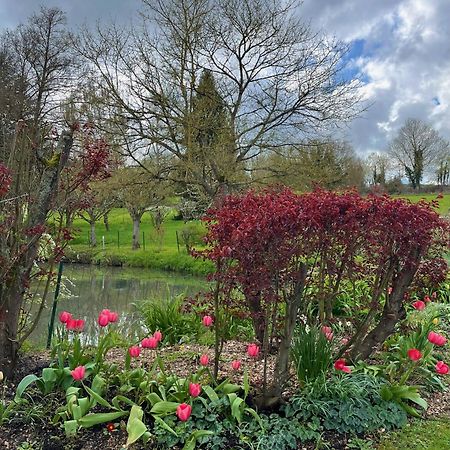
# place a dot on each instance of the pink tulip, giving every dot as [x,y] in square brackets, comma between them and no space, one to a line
[71,324]
[236,365]
[184,411]
[78,373]
[149,342]
[427,299]
[134,351]
[64,316]
[113,317]
[158,335]
[207,321]
[436,339]
[340,365]
[441,368]
[103,320]
[344,341]
[253,350]
[204,360]
[106,312]
[414,354]
[328,332]
[419,305]
[194,389]
[390,290]
[79,325]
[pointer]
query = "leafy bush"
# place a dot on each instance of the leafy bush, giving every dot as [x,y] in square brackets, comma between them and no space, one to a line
[346,405]
[311,354]
[166,315]
[192,234]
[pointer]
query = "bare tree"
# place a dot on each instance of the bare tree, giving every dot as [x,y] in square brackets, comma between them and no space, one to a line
[378,164]
[276,78]
[417,147]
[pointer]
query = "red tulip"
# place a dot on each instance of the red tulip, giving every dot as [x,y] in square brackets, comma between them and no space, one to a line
[344,341]
[106,312]
[134,351]
[427,299]
[194,389]
[436,339]
[150,342]
[204,360]
[158,335]
[253,350]
[113,317]
[78,373]
[71,324]
[419,305]
[184,411]
[64,316]
[441,368]
[328,332]
[340,365]
[236,365]
[103,320]
[414,354]
[207,321]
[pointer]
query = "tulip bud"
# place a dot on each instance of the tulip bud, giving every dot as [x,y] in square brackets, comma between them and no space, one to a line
[194,389]
[64,316]
[207,321]
[204,360]
[150,342]
[134,351]
[158,335]
[253,350]
[113,317]
[236,365]
[103,320]
[78,373]
[184,411]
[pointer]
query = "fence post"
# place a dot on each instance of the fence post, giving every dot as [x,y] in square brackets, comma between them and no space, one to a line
[178,242]
[118,239]
[143,239]
[55,302]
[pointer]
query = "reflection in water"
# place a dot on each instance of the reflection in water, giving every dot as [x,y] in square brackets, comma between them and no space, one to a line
[94,288]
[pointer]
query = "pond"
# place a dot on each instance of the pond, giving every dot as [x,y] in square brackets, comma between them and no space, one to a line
[86,290]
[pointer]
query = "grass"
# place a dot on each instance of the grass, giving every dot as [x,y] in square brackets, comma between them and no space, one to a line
[444,203]
[419,435]
[167,254]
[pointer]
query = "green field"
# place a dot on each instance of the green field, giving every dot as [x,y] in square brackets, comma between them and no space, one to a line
[444,203]
[117,249]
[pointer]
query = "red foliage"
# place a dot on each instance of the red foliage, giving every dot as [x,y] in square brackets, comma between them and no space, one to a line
[5,180]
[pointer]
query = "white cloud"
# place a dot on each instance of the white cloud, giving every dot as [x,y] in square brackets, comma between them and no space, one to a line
[406,61]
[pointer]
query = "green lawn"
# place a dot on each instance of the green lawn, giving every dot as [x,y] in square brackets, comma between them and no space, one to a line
[419,435]
[118,240]
[444,203]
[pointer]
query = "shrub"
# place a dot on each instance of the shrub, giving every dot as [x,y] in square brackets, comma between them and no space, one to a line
[269,246]
[192,234]
[166,315]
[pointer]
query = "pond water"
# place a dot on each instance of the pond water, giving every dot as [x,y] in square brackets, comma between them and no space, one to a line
[86,290]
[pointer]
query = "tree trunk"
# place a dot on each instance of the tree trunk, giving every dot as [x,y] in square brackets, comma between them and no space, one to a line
[259,323]
[393,311]
[11,301]
[136,232]
[92,235]
[14,286]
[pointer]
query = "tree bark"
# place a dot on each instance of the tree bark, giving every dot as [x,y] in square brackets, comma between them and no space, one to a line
[92,235]
[136,232]
[393,310]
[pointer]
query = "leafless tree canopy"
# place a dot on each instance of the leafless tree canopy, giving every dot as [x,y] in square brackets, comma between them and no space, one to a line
[278,79]
[417,147]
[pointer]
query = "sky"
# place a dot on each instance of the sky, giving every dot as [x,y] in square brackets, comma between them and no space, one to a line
[400,49]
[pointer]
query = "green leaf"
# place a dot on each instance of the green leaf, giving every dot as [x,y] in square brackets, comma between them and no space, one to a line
[154,398]
[386,393]
[100,400]
[70,427]
[209,391]
[24,384]
[121,398]
[135,427]
[96,418]
[236,408]
[164,425]
[98,385]
[230,388]
[164,408]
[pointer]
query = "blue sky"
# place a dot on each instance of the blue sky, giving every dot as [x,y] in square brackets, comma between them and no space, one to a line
[400,49]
